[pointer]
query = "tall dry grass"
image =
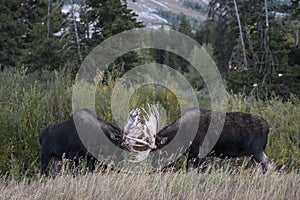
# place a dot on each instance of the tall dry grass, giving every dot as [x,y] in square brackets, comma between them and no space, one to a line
[216,183]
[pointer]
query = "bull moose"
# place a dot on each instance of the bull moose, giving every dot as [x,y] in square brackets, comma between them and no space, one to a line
[62,139]
[243,134]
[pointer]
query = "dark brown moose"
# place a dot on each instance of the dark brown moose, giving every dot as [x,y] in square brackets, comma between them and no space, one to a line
[243,134]
[62,139]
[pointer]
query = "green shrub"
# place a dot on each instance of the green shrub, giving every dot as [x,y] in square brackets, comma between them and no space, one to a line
[29,102]
[283,118]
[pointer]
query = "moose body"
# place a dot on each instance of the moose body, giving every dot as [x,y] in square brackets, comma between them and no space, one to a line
[62,139]
[243,134]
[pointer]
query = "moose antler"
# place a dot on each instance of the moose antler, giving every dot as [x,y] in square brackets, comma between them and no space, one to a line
[151,125]
[137,134]
[133,127]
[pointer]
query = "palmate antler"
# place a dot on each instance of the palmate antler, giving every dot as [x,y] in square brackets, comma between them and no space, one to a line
[133,128]
[150,127]
[137,134]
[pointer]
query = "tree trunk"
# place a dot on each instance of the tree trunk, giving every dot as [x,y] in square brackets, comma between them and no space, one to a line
[48,19]
[76,33]
[241,34]
[268,58]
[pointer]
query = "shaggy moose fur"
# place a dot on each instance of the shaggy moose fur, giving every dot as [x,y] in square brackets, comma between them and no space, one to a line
[62,139]
[243,134]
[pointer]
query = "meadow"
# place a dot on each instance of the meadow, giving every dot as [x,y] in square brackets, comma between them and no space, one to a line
[217,183]
[32,101]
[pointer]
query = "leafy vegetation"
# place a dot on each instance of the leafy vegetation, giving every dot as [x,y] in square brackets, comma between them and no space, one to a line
[260,50]
[30,102]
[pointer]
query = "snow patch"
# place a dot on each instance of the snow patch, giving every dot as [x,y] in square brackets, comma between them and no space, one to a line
[157,26]
[162,5]
[149,9]
[151,16]
[160,18]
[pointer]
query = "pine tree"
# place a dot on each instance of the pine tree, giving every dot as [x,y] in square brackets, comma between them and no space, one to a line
[264,38]
[222,25]
[185,26]
[12,31]
[43,42]
[110,17]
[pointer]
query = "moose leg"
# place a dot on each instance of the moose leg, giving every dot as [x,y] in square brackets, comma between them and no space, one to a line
[58,165]
[76,165]
[90,163]
[45,159]
[193,158]
[200,165]
[263,159]
[169,167]
[195,162]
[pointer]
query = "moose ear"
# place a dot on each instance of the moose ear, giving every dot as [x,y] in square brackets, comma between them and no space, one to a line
[161,140]
[114,137]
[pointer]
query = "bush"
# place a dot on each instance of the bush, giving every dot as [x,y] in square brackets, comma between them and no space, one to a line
[29,102]
[282,116]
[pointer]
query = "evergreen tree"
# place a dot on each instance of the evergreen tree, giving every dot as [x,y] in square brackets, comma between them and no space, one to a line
[185,26]
[76,34]
[264,44]
[12,31]
[221,16]
[110,17]
[177,62]
[43,42]
[206,33]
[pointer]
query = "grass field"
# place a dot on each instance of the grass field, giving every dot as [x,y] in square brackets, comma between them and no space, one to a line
[223,182]
[30,102]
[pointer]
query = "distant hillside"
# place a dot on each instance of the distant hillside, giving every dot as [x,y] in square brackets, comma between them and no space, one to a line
[155,13]
[168,12]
